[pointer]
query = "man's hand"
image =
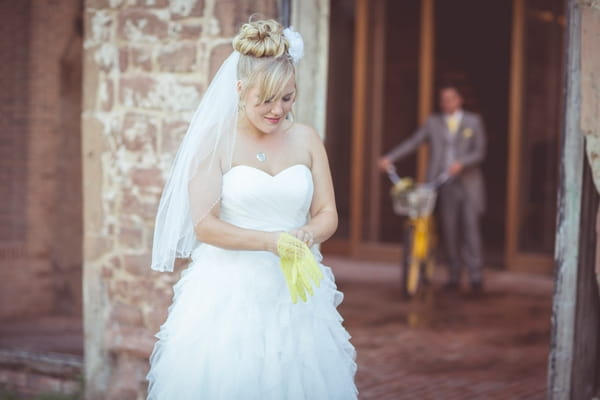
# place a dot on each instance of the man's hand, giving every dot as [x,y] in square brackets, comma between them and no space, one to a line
[455,169]
[385,164]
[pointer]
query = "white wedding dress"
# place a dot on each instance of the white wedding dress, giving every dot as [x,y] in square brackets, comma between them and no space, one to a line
[232,332]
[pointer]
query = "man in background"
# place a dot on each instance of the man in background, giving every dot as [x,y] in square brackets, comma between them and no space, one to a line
[457,147]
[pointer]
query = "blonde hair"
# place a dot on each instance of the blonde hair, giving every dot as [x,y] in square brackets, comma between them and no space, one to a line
[264,59]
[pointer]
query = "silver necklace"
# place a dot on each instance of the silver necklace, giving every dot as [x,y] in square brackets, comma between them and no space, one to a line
[261,156]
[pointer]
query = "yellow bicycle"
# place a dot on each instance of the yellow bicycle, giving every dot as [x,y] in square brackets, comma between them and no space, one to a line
[416,201]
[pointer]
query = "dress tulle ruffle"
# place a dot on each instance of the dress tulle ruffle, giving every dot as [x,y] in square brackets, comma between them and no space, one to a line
[234,333]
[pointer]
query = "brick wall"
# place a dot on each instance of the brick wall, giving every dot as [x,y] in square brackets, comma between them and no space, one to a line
[146,64]
[40,206]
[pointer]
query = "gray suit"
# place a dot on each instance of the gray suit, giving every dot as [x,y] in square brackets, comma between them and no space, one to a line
[462,199]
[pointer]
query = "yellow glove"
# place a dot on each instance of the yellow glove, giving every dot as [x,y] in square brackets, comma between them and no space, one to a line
[299,266]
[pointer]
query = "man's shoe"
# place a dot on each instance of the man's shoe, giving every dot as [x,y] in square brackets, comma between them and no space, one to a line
[451,287]
[477,288]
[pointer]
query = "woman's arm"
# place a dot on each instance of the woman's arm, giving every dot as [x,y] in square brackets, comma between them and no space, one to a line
[324,218]
[212,230]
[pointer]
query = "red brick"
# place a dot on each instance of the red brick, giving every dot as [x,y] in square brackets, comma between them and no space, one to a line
[177,57]
[231,14]
[131,236]
[147,177]
[137,264]
[132,205]
[172,134]
[218,54]
[42,383]
[187,30]
[13,378]
[187,8]
[102,4]
[141,25]
[137,342]
[123,59]
[133,90]
[140,58]
[126,314]
[139,130]
[151,3]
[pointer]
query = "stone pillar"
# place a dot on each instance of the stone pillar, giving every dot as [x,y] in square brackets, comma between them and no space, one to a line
[590,91]
[574,362]
[146,65]
[311,19]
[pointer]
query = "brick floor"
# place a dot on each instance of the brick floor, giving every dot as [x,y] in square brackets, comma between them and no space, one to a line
[446,346]
[439,346]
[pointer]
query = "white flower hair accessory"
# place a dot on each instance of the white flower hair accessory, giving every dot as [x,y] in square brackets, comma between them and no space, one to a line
[296,49]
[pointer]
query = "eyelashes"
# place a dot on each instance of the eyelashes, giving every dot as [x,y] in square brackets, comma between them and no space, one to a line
[285,99]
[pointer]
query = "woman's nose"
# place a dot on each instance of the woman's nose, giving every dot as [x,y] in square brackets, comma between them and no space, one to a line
[277,108]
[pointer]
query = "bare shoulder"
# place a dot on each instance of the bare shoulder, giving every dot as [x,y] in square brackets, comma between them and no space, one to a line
[307,132]
[308,135]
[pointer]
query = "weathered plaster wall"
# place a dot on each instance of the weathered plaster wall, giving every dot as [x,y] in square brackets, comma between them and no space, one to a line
[146,65]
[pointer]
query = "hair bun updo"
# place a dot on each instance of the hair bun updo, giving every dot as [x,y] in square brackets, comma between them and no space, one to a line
[263,38]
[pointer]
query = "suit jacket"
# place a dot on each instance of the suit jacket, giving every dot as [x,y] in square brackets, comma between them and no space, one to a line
[468,144]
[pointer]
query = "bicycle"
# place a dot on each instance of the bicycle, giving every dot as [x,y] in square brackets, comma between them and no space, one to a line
[417,202]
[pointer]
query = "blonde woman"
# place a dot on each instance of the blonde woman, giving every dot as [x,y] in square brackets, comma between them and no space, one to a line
[249,196]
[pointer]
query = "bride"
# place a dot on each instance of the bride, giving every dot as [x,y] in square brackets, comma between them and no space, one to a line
[247,185]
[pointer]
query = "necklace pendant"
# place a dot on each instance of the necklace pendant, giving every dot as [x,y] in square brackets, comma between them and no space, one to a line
[262,157]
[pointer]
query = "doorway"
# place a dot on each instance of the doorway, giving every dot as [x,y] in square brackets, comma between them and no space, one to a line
[387,60]
[472,51]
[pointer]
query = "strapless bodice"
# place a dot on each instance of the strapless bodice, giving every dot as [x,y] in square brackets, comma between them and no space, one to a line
[253,199]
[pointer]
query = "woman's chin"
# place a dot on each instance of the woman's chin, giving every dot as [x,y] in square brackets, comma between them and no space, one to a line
[270,128]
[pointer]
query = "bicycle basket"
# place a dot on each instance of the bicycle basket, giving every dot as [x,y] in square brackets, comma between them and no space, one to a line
[416,202]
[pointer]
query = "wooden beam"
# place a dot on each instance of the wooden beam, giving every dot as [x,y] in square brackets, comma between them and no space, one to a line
[358,120]
[426,76]
[560,368]
[376,118]
[515,108]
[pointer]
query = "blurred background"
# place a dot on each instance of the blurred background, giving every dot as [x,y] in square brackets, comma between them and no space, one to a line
[96,95]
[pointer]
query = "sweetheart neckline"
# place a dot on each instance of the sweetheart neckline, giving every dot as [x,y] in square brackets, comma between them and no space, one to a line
[265,172]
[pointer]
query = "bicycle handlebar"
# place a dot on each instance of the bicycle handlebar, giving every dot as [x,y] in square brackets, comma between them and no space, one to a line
[434,184]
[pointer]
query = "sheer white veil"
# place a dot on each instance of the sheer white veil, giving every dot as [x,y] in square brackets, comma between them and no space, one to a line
[194,184]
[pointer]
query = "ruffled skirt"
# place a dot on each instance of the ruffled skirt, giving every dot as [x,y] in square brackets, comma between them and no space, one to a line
[233,333]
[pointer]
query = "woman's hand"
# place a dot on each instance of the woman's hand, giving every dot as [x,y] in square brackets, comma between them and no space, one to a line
[304,235]
[300,269]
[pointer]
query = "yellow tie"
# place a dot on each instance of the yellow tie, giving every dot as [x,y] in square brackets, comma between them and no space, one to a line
[452,122]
